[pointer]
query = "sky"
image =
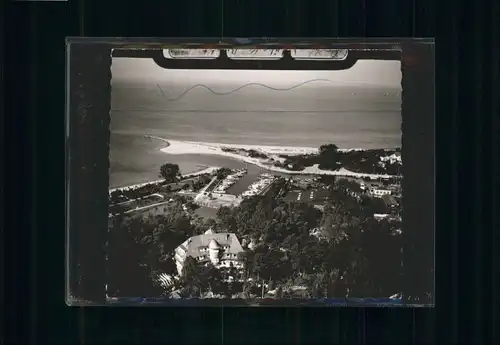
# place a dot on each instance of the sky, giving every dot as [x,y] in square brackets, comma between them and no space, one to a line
[139,70]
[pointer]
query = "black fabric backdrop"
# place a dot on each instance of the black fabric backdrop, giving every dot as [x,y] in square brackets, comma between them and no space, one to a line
[467,111]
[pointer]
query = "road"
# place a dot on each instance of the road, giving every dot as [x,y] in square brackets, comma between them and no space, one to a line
[191,194]
[143,208]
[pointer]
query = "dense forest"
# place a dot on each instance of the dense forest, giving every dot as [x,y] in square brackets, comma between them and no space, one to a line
[338,252]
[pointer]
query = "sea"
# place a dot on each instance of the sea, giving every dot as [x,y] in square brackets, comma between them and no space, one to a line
[350,116]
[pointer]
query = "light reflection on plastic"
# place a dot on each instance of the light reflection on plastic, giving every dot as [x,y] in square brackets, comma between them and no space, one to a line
[319,54]
[257,54]
[191,53]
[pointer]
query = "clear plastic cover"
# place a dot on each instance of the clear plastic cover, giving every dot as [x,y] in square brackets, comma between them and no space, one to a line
[250,172]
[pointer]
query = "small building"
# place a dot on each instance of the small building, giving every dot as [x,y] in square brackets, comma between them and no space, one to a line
[380,216]
[220,249]
[380,192]
[393,159]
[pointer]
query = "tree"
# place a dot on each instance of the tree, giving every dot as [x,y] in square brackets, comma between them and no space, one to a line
[226,220]
[247,289]
[363,257]
[222,173]
[191,278]
[190,205]
[279,292]
[128,273]
[116,197]
[141,248]
[247,257]
[348,185]
[328,156]
[328,149]
[211,278]
[197,280]
[170,172]
[328,180]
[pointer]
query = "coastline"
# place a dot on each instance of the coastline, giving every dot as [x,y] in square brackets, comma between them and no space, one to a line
[207,170]
[267,149]
[177,147]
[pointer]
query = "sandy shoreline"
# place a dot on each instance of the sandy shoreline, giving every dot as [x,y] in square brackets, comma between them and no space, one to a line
[267,149]
[176,147]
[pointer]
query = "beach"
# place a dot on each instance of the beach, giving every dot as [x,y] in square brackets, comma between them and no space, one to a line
[184,148]
[176,147]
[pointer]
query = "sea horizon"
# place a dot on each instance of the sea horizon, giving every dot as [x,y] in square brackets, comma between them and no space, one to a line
[350,116]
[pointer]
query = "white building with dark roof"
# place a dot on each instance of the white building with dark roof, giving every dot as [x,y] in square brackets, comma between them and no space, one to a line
[380,192]
[220,249]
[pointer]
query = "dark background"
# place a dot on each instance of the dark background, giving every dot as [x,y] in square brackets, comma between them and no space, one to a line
[467,111]
[89,136]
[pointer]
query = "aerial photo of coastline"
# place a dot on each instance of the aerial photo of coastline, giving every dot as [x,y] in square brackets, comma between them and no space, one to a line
[255,185]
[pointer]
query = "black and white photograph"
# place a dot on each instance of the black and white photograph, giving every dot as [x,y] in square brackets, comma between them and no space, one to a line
[255,184]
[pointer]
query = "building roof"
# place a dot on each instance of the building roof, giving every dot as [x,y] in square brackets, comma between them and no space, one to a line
[213,244]
[193,244]
[389,200]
